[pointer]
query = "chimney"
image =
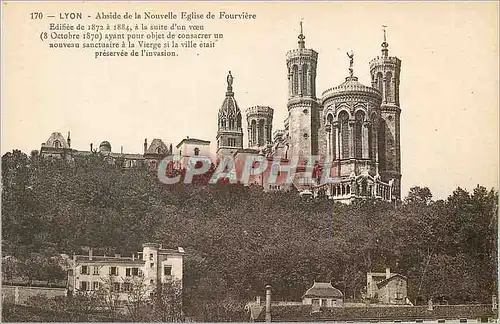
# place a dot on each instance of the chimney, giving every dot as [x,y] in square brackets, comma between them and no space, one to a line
[268,303]
[133,257]
[145,145]
[121,150]
[69,139]
[90,147]
[387,273]
[90,254]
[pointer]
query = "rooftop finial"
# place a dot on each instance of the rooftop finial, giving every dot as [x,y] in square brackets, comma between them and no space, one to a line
[302,43]
[229,83]
[385,45]
[351,63]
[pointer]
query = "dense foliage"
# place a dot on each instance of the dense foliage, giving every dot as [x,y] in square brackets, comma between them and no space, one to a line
[238,239]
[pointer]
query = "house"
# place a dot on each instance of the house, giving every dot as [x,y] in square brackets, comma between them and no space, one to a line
[386,287]
[323,294]
[150,267]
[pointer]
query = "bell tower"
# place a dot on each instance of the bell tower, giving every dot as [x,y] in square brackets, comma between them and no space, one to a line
[303,109]
[385,71]
[229,131]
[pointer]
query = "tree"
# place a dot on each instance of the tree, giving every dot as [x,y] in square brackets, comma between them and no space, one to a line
[138,301]
[419,195]
[167,302]
[108,295]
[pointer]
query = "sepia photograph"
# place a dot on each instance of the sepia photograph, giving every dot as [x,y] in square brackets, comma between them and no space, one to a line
[231,161]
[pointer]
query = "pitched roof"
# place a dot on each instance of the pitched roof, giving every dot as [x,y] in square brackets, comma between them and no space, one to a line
[155,145]
[56,136]
[386,281]
[323,289]
[108,259]
[192,141]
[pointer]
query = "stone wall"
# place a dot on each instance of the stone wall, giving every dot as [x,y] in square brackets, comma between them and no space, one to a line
[20,294]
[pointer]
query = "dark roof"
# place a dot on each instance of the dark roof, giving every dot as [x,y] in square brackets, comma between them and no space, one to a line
[192,141]
[386,281]
[155,144]
[108,259]
[323,289]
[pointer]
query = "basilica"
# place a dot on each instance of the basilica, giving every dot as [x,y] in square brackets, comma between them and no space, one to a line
[354,129]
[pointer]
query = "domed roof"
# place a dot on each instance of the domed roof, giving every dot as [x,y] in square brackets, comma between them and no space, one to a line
[349,86]
[229,112]
[105,146]
[229,107]
[323,289]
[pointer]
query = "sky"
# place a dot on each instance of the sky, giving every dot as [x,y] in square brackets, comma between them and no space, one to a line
[448,85]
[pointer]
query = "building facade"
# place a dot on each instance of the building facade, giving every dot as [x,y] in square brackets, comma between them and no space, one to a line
[57,147]
[353,130]
[386,287]
[152,266]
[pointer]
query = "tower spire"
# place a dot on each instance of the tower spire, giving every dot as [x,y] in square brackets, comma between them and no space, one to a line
[385,45]
[302,43]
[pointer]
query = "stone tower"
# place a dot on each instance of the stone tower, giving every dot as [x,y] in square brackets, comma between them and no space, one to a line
[229,131]
[260,125]
[385,72]
[302,104]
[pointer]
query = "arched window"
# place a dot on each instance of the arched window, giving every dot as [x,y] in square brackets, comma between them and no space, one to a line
[344,134]
[388,88]
[158,150]
[57,144]
[380,81]
[304,79]
[238,121]
[196,151]
[275,170]
[333,137]
[223,122]
[260,136]
[358,134]
[295,77]
[382,144]
[253,132]
[231,122]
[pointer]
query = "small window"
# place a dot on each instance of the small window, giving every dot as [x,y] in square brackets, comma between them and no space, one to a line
[135,271]
[84,285]
[151,281]
[95,285]
[315,301]
[96,270]
[127,286]
[128,272]
[167,270]
[57,144]
[158,150]
[113,271]
[116,286]
[151,264]
[150,256]
[84,269]
[196,151]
